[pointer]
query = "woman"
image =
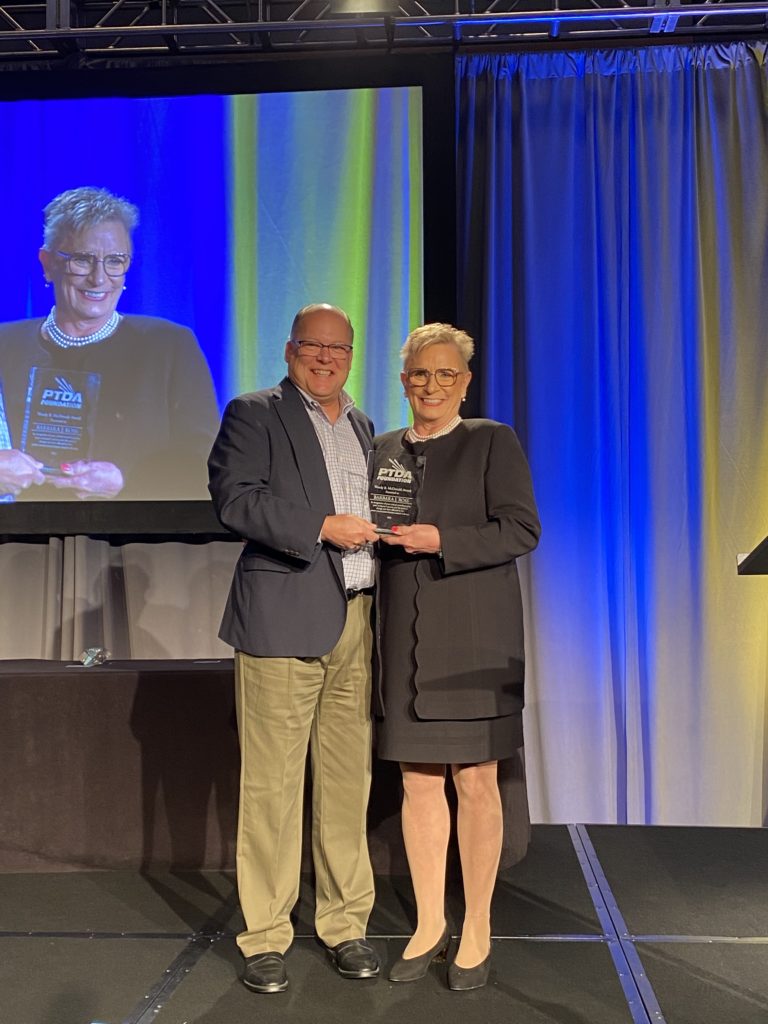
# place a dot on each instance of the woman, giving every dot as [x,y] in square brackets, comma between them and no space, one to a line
[451,643]
[133,411]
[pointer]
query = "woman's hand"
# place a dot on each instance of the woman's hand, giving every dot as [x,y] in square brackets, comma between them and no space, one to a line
[419,539]
[18,471]
[90,479]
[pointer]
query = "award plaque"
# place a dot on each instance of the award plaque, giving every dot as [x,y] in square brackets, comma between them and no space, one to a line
[394,489]
[5,443]
[5,433]
[59,415]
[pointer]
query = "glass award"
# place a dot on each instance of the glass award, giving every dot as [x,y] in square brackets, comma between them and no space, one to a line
[5,433]
[395,485]
[5,443]
[59,415]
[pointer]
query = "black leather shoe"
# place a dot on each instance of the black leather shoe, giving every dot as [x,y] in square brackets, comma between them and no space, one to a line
[265,972]
[463,979]
[414,967]
[355,958]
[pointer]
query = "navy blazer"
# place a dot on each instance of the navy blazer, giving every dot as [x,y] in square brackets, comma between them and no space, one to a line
[269,485]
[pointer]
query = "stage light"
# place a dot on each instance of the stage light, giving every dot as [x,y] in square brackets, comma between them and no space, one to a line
[343,7]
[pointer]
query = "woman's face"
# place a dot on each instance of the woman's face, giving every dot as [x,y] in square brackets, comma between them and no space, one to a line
[85,303]
[435,405]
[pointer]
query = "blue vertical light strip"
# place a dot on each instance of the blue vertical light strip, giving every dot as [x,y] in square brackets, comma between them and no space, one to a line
[184,240]
[604,192]
[501,307]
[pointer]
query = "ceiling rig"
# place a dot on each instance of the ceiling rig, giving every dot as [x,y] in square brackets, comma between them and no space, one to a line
[143,29]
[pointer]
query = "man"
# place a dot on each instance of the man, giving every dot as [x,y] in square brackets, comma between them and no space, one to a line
[288,473]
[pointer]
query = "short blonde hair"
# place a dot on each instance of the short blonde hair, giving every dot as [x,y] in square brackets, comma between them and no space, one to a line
[437,334]
[80,208]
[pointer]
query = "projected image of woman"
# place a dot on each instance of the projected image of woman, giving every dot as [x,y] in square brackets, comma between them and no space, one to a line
[97,404]
[451,643]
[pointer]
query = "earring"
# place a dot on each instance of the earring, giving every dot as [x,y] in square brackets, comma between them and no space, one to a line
[46,282]
[463,398]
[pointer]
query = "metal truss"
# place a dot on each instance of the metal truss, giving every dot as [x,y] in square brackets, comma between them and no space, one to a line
[48,30]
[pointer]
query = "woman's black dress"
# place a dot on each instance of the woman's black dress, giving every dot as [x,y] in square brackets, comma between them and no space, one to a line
[410,587]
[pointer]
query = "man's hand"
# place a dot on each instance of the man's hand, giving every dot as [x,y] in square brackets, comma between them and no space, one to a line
[18,471]
[90,479]
[419,539]
[348,532]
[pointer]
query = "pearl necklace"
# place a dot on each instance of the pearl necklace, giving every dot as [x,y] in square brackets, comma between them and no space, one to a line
[58,337]
[412,436]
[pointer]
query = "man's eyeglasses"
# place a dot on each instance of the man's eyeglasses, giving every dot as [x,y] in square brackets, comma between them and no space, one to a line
[418,378]
[83,263]
[336,349]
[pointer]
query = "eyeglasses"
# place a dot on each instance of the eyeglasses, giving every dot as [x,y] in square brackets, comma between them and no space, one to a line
[336,349]
[83,263]
[419,378]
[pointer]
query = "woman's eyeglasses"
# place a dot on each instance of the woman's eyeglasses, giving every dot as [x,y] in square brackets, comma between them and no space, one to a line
[418,378]
[83,263]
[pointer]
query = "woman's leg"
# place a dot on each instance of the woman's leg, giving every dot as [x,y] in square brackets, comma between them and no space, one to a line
[480,829]
[426,828]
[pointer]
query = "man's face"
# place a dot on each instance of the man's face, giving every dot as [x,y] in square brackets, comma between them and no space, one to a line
[90,299]
[322,375]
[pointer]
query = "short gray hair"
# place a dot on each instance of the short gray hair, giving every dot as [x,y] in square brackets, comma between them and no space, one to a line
[437,334]
[320,307]
[79,208]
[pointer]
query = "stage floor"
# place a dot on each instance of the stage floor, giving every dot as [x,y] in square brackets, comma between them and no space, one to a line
[603,924]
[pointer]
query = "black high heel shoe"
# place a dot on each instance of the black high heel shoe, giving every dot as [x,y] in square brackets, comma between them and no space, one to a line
[414,967]
[463,979]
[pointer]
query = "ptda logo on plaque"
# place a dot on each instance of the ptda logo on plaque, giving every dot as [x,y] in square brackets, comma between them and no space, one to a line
[395,485]
[59,415]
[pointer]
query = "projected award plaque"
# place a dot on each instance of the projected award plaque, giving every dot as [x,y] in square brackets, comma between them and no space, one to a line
[394,489]
[59,415]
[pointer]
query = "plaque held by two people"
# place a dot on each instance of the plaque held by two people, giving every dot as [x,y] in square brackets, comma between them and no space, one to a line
[395,487]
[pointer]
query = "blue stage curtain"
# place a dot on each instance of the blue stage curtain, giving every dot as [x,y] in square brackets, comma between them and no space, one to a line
[613,227]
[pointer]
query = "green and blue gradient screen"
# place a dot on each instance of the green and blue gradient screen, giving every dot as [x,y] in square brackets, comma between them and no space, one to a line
[250,207]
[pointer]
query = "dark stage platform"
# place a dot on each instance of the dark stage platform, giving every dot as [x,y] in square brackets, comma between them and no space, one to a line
[603,924]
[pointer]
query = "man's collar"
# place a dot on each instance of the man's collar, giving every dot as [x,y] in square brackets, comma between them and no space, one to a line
[346,401]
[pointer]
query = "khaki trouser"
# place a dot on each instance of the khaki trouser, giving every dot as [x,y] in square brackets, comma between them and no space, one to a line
[284,706]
